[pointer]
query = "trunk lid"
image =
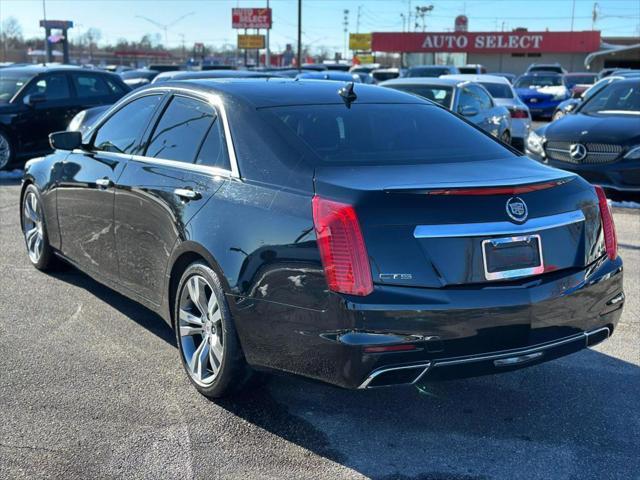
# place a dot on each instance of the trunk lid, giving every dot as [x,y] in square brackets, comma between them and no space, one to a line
[417,233]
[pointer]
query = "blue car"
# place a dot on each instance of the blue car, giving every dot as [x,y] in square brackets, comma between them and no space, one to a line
[542,92]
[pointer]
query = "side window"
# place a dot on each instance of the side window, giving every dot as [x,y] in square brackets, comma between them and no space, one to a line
[467,99]
[122,131]
[179,133]
[54,86]
[214,148]
[89,86]
[114,88]
[484,100]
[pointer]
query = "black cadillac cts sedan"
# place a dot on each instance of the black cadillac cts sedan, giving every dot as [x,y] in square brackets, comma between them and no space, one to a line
[360,236]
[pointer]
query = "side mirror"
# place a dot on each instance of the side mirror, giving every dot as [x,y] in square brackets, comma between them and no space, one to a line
[571,107]
[65,140]
[34,98]
[468,111]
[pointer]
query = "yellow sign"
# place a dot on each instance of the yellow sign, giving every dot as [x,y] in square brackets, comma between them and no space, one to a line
[250,41]
[364,59]
[360,41]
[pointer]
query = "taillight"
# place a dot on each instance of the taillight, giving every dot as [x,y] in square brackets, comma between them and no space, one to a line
[608,227]
[518,113]
[342,250]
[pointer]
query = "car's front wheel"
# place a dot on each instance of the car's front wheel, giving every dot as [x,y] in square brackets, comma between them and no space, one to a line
[506,137]
[35,231]
[209,347]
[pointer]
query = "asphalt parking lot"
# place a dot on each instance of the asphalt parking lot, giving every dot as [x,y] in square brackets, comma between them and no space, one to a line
[91,387]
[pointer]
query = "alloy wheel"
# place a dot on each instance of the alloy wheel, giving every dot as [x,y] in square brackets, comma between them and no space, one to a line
[32,226]
[201,336]
[5,151]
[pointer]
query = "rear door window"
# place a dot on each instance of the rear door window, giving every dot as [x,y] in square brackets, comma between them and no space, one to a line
[90,86]
[181,130]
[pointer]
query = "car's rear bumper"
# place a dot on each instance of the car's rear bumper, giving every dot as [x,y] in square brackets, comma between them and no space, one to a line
[484,364]
[467,332]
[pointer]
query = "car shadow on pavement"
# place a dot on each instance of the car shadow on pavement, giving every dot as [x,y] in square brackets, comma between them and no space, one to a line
[575,417]
[131,309]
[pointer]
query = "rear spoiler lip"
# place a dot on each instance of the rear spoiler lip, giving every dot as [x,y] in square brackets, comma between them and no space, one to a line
[517,186]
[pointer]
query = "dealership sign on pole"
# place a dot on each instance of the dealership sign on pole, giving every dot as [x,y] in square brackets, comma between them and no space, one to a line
[251,41]
[487,42]
[251,18]
[360,41]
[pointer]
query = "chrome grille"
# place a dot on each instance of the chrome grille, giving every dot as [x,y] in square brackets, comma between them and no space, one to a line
[597,153]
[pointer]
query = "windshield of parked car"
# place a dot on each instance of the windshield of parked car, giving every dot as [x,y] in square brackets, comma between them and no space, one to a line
[498,90]
[435,93]
[148,74]
[572,80]
[427,71]
[618,97]
[546,68]
[533,81]
[387,134]
[11,83]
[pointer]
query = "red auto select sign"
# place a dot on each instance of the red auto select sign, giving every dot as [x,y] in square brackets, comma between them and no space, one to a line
[251,18]
[486,42]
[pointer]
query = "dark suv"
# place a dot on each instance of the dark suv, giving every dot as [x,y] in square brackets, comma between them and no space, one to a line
[37,100]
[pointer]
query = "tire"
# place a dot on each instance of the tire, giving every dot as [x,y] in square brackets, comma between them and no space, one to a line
[208,343]
[506,137]
[557,115]
[6,151]
[34,230]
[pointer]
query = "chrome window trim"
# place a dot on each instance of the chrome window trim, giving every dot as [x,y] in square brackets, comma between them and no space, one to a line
[498,228]
[211,98]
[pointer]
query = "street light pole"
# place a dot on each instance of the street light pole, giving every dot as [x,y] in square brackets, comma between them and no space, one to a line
[267,53]
[299,56]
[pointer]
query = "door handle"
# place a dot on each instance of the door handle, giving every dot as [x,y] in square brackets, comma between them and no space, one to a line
[104,182]
[186,194]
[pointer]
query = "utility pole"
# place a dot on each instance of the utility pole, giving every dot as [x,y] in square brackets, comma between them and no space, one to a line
[47,45]
[573,13]
[358,19]
[346,30]
[403,21]
[267,53]
[299,35]
[594,15]
[409,16]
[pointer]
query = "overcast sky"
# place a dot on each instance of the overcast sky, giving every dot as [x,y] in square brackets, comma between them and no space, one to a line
[322,19]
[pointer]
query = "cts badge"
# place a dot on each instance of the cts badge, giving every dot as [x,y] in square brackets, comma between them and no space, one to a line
[517,209]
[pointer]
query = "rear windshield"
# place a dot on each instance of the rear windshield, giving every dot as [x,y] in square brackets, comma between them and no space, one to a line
[571,80]
[427,72]
[376,134]
[528,81]
[435,93]
[498,90]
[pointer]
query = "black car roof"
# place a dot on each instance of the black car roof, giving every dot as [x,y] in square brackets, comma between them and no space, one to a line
[39,68]
[274,92]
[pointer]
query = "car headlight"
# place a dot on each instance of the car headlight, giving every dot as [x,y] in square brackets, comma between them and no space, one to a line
[535,143]
[633,154]
[74,124]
